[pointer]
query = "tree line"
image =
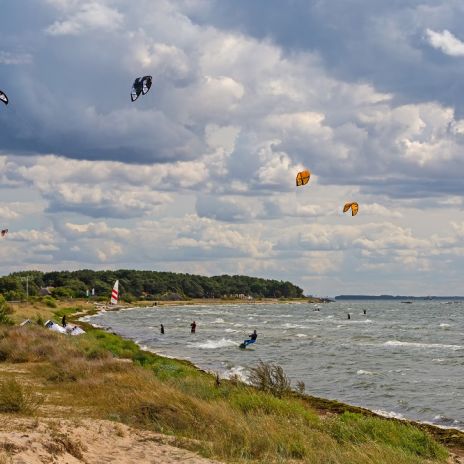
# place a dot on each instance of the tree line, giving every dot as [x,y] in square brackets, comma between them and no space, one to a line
[142,285]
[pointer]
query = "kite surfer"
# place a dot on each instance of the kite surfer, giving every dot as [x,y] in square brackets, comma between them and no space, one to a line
[63,321]
[193,326]
[162,329]
[250,340]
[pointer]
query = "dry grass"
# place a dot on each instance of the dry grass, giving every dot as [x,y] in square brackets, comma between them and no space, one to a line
[62,443]
[17,398]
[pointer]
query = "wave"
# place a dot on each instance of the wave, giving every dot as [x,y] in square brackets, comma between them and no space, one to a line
[301,335]
[236,371]
[422,345]
[362,372]
[212,344]
[391,414]
[231,331]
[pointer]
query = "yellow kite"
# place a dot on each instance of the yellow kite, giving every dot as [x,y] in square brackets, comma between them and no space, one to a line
[354,208]
[302,178]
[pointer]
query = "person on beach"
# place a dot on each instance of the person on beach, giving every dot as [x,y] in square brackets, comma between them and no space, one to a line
[193,326]
[251,340]
[63,321]
[162,329]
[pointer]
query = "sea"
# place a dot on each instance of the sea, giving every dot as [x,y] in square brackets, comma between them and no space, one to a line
[399,360]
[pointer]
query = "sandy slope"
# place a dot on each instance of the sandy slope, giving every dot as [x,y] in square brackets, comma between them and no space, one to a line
[37,441]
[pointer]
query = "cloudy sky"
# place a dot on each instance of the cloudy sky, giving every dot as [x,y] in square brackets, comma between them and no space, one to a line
[198,175]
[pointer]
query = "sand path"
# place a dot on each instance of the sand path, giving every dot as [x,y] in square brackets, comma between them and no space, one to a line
[41,441]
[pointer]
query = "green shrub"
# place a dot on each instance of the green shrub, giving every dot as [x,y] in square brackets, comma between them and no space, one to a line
[270,378]
[5,310]
[14,398]
[49,301]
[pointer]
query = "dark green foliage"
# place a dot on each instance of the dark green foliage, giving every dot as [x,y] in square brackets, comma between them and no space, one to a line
[5,310]
[146,285]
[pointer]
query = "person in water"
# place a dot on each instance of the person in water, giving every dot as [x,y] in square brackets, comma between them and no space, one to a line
[193,326]
[251,340]
[63,321]
[162,329]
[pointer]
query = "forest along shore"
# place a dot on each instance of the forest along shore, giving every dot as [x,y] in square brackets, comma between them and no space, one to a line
[54,378]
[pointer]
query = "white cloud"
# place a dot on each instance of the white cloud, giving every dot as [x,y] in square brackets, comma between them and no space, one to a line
[446,42]
[83,17]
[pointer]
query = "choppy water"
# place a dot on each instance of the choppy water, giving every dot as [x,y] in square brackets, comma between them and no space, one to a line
[404,360]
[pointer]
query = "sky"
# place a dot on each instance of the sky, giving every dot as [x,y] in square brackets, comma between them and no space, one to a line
[198,175]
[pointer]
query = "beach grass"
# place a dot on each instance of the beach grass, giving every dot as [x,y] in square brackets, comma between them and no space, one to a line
[100,375]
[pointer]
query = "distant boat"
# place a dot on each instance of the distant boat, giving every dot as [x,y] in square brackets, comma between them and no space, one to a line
[115,294]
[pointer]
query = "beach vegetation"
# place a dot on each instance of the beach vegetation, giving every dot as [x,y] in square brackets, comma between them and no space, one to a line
[16,398]
[270,378]
[5,311]
[49,301]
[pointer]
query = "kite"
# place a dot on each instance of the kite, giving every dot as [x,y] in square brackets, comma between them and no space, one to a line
[140,86]
[3,98]
[354,208]
[4,232]
[302,178]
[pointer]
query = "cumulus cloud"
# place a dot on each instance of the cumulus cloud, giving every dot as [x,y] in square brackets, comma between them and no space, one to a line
[445,41]
[81,17]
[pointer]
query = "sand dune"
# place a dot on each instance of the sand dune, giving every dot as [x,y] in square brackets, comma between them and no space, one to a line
[38,441]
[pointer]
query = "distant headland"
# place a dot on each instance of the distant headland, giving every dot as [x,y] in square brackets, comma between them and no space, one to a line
[398,297]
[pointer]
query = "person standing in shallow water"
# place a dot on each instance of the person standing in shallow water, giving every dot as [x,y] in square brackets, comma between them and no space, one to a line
[193,326]
[63,321]
[162,329]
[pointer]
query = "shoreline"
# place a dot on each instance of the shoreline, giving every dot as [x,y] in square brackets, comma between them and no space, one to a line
[332,405]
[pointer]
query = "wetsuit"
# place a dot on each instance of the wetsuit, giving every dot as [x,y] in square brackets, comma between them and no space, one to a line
[252,339]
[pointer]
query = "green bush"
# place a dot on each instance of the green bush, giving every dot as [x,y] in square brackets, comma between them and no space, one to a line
[270,378]
[5,310]
[14,398]
[49,301]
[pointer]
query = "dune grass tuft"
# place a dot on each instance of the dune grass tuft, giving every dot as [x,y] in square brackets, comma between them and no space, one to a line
[16,398]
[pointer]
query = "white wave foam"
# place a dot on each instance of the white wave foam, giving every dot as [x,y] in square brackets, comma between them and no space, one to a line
[237,371]
[230,330]
[444,326]
[218,321]
[362,372]
[392,414]
[212,344]
[301,335]
[422,345]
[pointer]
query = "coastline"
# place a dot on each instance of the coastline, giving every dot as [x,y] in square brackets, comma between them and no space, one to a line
[155,394]
[446,435]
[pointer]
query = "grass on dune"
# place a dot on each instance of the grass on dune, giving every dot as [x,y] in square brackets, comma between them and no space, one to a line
[103,376]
